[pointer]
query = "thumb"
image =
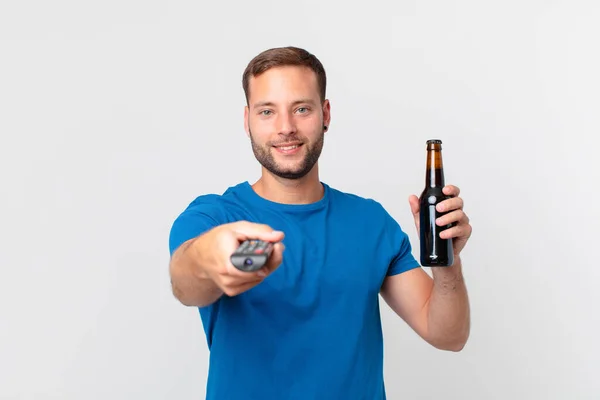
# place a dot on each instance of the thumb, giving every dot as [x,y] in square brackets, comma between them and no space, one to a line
[414,208]
[250,230]
[414,204]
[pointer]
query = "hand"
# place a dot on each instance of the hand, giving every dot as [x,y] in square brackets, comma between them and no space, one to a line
[461,231]
[223,241]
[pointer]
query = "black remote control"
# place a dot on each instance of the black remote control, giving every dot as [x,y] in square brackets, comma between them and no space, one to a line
[252,255]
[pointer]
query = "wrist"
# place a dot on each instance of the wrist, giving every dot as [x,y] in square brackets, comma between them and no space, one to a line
[452,272]
[457,264]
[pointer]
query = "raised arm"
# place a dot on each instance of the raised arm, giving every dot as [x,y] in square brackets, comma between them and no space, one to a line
[436,308]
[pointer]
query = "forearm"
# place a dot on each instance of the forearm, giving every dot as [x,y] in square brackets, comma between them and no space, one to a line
[448,313]
[190,285]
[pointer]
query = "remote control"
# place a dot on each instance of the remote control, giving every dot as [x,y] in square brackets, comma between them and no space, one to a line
[251,255]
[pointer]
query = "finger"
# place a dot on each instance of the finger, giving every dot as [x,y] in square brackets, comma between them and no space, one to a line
[455,232]
[414,208]
[455,203]
[231,282]
[250,230]
[454,216]
[234,290]
[451,190]
[414,204]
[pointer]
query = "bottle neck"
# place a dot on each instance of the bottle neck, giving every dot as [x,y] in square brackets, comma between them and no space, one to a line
[434,176]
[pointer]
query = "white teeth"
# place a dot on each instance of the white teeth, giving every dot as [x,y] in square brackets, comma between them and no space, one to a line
[288,147]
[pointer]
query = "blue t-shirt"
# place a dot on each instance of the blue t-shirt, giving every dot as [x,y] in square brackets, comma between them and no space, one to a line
[312,329]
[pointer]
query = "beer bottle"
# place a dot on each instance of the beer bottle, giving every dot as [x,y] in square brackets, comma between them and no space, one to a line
[435,251]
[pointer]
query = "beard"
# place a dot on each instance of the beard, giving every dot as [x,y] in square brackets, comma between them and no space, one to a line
[265,157]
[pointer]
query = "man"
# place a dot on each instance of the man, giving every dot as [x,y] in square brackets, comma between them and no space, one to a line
[307,325]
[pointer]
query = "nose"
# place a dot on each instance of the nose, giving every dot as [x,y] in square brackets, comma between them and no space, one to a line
[286,124]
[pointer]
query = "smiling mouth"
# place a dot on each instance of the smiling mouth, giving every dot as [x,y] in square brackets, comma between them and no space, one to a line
[288,148]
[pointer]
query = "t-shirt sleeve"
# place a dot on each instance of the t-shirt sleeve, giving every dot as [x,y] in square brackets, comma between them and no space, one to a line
[403,259]
[199,217]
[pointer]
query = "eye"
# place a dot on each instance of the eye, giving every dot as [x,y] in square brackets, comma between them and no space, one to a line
[265,112]
[302,110]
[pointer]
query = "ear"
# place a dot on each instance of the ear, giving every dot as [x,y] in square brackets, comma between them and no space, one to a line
[246,123]
[326,113]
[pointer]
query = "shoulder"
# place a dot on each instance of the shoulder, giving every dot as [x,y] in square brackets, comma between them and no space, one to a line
[366,205]
[371,213]
[212,205]
[207,204]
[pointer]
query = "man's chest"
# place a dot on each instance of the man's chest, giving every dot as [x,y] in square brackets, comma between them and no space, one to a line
[341,260]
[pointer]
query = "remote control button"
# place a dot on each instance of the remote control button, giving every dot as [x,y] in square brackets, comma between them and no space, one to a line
[258,251]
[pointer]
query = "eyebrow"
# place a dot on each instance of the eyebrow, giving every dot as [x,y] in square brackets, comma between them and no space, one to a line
[270,104]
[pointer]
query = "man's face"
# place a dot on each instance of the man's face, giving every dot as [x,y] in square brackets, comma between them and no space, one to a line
[285,119]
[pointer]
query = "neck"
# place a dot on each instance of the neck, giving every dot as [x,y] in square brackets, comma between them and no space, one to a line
[305,190]
[435,169]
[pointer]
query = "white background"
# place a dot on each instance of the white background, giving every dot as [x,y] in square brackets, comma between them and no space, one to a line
[114,115]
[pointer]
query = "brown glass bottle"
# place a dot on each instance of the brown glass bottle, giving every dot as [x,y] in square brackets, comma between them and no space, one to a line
[435,251]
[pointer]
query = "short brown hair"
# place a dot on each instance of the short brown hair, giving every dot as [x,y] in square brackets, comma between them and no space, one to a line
[285,56]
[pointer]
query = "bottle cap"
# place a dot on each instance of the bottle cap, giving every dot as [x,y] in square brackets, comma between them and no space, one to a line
[434,141]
